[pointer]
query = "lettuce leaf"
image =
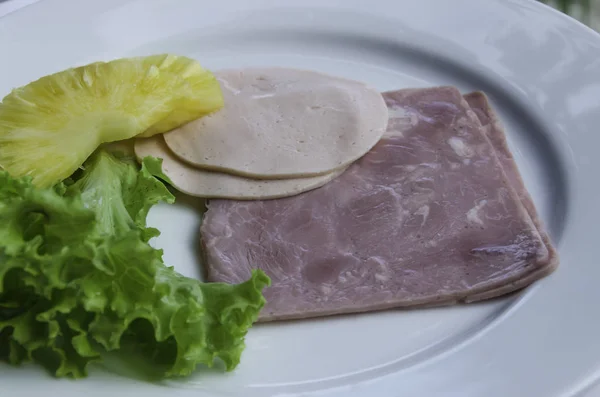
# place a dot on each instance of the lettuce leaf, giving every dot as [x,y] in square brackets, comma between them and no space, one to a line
[78,278]
[118,193]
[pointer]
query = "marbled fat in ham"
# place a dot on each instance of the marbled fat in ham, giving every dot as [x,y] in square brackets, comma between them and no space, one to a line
[428,217]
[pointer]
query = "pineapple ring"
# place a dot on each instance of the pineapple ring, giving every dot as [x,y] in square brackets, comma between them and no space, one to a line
[49,127]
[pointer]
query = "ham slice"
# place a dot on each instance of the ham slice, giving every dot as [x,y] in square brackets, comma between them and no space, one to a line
[434,214]
[493,129]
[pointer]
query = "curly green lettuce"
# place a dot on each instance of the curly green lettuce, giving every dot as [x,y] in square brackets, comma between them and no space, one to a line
[79,279]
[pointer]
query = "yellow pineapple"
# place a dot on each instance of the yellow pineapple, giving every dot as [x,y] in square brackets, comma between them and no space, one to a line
[49,127]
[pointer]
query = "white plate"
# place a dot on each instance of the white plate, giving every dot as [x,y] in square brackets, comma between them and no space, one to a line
[542,72]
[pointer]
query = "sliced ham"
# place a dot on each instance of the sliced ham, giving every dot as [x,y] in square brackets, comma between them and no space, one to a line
[493,129]
[432,215]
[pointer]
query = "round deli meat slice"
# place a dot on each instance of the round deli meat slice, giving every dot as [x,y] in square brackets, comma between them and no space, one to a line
[283,123]
[210,184]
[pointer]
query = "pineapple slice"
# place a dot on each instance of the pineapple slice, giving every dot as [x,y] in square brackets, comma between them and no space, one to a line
[49,127]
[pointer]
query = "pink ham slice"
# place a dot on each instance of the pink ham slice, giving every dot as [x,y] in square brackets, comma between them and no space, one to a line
[492,128]
[432,215]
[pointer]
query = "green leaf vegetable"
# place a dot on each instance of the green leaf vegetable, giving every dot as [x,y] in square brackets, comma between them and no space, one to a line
[78,278]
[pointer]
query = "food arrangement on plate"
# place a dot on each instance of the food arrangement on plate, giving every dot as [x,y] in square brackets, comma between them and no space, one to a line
[324,196]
